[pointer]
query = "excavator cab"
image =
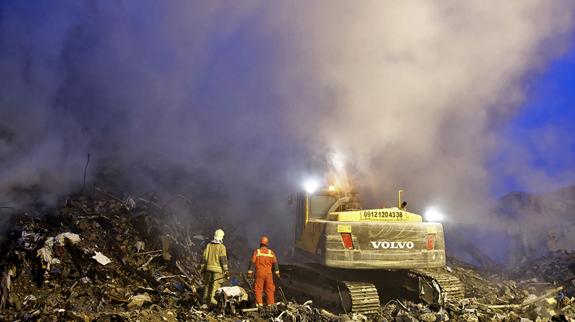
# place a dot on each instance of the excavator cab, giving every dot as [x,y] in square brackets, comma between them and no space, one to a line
[312,206]
[317,205]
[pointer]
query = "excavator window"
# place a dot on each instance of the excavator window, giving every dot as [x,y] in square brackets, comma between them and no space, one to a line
[319,205]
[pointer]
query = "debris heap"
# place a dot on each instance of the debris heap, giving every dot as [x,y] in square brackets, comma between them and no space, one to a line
[507,295]
[100,257]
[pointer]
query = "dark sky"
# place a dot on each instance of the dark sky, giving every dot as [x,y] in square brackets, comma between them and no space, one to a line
[545,126]
[238,103]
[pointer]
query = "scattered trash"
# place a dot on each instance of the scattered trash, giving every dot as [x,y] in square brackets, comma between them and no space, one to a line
[71,237]
[130,203]
[139,300]
[83,261]
[140,246]
[101,258]
[230,298]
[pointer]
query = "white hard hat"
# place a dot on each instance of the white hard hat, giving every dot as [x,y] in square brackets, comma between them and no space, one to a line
[219,234]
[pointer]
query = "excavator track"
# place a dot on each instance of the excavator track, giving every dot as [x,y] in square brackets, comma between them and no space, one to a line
[363,297]
[340,295]
[362,291]
[452,289]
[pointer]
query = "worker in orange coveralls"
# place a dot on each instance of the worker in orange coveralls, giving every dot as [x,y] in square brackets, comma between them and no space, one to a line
[264,260]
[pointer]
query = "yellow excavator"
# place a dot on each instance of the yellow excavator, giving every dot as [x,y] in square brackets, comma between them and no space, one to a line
[351,259]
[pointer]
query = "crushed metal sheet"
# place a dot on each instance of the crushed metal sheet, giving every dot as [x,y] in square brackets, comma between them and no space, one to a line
[71,237]
[101,258]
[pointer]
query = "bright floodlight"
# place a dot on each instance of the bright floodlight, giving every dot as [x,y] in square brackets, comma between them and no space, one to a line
[433,214]
[311,185]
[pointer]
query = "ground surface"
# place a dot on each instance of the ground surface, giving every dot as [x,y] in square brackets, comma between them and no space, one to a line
[49,272]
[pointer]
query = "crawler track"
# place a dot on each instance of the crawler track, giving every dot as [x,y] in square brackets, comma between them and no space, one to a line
[363,297]
[360,291]
[451,287]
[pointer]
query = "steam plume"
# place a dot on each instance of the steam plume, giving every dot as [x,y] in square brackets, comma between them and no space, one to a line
[248,97]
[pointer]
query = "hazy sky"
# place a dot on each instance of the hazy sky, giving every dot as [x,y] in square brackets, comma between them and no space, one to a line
[545,127]
[454,102]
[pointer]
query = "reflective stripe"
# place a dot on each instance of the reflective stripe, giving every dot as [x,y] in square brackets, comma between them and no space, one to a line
[214,268]
[258,253]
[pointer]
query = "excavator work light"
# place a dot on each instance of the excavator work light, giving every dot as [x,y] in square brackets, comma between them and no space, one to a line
[311,185]
[433,215]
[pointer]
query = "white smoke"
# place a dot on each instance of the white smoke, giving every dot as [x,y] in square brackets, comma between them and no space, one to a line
[414,92]
[252,95]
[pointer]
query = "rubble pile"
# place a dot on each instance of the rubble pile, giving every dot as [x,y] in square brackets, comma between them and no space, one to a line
[556,266]
[489,287]
[104,258]
[545,292]
[100,257]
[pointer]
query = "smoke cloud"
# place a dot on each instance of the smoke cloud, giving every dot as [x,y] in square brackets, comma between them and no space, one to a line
[420,89]
[238,102]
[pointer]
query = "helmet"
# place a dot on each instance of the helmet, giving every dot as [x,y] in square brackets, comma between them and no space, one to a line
[264,240]
[219,234]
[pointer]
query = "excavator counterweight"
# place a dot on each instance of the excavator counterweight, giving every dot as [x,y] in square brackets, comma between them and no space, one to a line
[351,258]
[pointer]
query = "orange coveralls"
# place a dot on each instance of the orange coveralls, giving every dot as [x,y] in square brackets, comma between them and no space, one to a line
[264,260]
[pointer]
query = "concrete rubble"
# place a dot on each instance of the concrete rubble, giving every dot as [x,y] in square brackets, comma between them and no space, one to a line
[101,257]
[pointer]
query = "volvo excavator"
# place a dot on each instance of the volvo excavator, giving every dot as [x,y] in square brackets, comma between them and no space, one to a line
[352,259]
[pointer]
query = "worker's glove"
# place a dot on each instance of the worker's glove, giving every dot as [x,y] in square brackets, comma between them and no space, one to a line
[278,274]
[227,274]
[250,274]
